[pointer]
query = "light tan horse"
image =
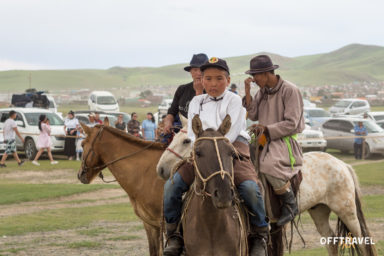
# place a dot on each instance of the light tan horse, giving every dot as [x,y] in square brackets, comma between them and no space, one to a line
[328,185]
[132,162]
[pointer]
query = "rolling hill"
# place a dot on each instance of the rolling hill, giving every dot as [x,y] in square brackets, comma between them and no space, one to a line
[351,63]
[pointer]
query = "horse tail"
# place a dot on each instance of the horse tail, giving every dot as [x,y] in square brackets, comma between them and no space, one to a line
[342,229]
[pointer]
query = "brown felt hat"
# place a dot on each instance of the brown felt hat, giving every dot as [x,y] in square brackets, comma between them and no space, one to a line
[261,64]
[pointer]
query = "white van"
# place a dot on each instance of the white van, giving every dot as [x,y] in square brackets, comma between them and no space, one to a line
[350,107]
[102,101]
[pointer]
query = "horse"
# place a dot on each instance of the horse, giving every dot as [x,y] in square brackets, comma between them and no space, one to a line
[132,162]
[328,185]
[211,224]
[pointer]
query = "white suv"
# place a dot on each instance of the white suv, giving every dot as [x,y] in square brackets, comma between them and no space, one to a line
[102,101]
[27,123]
[350,107]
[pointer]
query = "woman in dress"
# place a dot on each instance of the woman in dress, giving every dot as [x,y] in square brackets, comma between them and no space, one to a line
[44,140]
[70,127]
[149,128]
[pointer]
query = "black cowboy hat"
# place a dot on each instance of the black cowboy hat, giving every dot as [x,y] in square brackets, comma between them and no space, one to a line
[215,63]
[196,61]
[261,64]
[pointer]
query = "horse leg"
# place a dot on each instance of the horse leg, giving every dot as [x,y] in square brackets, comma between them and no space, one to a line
[320,215]
[153,235]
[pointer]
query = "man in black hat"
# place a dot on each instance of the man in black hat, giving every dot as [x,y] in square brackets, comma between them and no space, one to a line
[186,92]
[278,106]
[233,88]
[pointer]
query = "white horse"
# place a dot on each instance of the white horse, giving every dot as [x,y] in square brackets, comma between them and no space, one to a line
[328,185]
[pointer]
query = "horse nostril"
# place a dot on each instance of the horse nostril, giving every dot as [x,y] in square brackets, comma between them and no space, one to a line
[232,192]
[216,193]
[161,171]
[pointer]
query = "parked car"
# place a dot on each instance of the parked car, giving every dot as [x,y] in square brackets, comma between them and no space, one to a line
[308,104]
[315,117]
[27,121]
[82,116]
[102,101]
[375,116]
[350,107]
[312,140]
[342,126]
[2,144]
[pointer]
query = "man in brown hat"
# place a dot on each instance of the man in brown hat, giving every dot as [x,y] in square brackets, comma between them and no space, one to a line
[186,92]
[278,106]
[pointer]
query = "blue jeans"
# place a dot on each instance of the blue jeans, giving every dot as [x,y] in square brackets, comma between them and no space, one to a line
[249,191]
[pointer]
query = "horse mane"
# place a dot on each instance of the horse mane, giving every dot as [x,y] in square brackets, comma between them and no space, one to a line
[133,139]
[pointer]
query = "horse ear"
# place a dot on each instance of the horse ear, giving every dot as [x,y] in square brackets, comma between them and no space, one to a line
[197,126]
[86,129]
[225,125]
[106,121]
[184,121]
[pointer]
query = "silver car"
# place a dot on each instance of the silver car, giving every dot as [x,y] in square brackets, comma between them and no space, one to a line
[341,127]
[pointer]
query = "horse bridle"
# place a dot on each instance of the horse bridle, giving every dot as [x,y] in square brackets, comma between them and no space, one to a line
[101,167]
[221,172]
[174,152]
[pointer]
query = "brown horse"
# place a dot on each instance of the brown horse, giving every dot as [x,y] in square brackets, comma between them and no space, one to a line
[212,226]
[132,162]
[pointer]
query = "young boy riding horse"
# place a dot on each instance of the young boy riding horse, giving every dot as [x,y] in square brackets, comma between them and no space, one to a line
[212,109]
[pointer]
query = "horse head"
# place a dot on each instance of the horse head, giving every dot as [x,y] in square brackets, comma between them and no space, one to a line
[91,160]
[213,159]
[179,149]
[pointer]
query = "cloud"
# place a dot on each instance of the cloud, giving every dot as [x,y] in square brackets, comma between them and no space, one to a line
[14,65]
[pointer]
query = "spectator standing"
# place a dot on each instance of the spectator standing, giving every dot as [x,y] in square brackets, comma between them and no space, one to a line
[44,140]
[79,148]
[360,130]
[10,131]
[92,120]
[134,125]
[97,119]
[120,124]
[149,128]
[233,89]
[71,124]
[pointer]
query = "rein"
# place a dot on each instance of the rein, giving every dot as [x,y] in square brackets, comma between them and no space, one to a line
[221,172]
[101,167]
[174,152]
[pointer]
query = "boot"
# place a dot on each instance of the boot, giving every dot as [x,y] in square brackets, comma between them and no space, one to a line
[174,244]
[289,210]
[258,241]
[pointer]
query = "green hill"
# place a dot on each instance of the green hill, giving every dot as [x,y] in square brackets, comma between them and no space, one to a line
[349,64]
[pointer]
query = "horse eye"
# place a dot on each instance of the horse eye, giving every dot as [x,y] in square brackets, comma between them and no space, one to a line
[197,153]
[186,141]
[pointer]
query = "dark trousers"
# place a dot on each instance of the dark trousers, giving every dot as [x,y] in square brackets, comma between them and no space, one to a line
[358,149]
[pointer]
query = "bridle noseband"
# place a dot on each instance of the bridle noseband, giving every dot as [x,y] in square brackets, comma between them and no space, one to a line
[221,172]
[174,152]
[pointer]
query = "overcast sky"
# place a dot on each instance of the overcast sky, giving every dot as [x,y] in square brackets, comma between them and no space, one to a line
[104,33]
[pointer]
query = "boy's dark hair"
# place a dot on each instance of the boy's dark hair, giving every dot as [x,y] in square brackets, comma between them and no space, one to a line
[272,71]
[11,113]
[133,113]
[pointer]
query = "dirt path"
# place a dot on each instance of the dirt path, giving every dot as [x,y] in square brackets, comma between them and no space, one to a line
[59,176]
[367,162]
[101,197]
